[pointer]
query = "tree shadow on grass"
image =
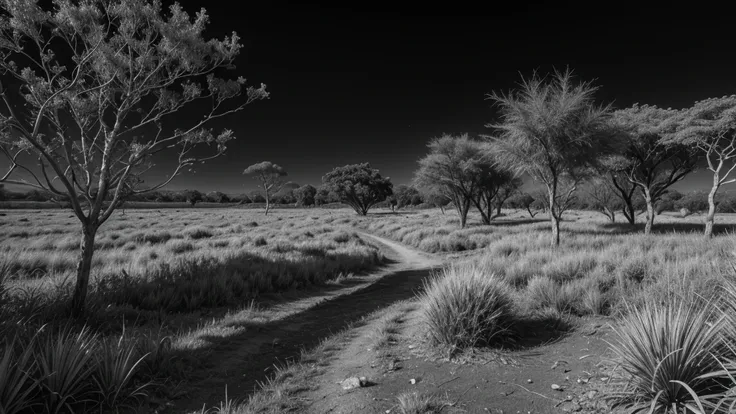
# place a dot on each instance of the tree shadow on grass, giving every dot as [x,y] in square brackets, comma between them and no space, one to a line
[658,228]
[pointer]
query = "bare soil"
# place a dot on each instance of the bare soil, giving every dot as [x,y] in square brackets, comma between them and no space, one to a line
[241,361]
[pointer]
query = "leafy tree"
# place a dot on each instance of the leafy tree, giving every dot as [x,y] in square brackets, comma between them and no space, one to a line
[404,195]
[193,197]
[493,183]
[358,185]
[452,168]
[305,195]
[554,131]
[218,197]
[523,201]
[710,126]
[649,161]
[95,88]
[626,192]
[323,196]
[604,198]
[435,199]
[270,179]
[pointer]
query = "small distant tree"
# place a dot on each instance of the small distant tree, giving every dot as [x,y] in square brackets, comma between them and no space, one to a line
[435,199]
[256,197]
[270,179]
[508,189]
[710,126]
[523,201]
[625,190]
[404,195]
[493,182]
[649,160]
[554,131]
[305,195]
[217,197]
[694,201]
[193,197]
[452,168]
[323,196]
[392,202]
[93,94]
[603,198]
[358,185]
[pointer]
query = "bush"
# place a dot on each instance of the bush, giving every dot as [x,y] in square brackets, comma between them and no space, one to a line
[464,307]
[669,350]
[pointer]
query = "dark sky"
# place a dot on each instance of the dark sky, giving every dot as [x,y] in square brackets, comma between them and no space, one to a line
[374,82]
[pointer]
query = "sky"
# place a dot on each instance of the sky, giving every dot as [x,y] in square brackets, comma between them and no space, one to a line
[374,82]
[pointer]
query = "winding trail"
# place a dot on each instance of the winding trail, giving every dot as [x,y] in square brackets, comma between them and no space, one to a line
[240,361]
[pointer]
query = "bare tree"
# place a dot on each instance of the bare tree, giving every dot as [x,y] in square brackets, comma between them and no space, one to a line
[625,190]
[92,92]
[554,131]
[710,126]
[452,169]
[649,162]
[270,179]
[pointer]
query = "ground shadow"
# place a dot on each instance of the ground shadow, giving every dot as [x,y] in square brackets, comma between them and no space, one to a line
[531,332]
[658,228]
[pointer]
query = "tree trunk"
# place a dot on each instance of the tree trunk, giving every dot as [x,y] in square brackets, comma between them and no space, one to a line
[554,220]
[87,248]
[650,212]
[442,209]
[629,211]
[529,209]
[710,218]
[268,204]
[462,210]
[498,209]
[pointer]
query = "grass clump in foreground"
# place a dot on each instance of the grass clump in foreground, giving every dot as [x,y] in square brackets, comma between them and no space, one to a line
[464,307]
[416,403]
[672,353]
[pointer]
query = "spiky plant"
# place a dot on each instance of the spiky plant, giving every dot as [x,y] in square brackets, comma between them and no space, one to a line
[116,364]
[464,306]
[17,384]
[66,362]
[669,350]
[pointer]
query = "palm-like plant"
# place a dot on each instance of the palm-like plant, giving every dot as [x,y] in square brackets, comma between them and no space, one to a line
[116,364]
[17,383]
[670,353]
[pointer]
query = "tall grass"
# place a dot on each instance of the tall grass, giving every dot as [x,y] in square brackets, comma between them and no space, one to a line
[463,306]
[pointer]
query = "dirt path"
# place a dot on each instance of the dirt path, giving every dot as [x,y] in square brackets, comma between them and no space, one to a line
[242,360]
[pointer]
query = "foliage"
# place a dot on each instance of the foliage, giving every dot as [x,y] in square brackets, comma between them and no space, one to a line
[305,195]
[358,185]
[649,161]
[452,168]
[217,197]
[554,131]
[92,92]
[465,307]
[669,349]
[407,195]
[193,197]
[603,198]
[269,177]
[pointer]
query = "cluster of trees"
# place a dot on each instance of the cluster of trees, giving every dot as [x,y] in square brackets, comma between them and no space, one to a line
[553,130]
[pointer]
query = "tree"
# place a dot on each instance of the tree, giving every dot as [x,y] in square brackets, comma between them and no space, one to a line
[94,93]
[695,201]
[507,190]
[305,195]
[493,183]
[523,201]
[218,197]
[554,131]
[649,161]
[452,168]
[193,197]
[710,126]
[435,199]
[323,196]
[604,198]
[358,185]
[626,192]
[404,195]
[270,179]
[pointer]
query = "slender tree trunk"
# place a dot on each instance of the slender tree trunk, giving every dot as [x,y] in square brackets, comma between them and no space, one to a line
[442,209]
[531,214]
[710,218]
[463,206]
[629,211]
[650,211]
[268,204]
[554,220]
[87,248]
[498,209]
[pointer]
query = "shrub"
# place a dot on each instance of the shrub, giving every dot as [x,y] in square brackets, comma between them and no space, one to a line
[463,307]
[260,241]
[668,350]
[199,233]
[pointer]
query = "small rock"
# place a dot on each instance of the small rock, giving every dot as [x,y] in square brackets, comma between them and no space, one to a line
[354,382]
[556,387]
[412,381]
[529,381]
[591,394]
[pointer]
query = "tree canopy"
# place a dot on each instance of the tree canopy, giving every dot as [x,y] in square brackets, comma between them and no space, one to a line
[270,179]
[358,185]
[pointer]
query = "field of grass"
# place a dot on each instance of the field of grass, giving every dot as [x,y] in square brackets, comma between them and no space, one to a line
[156,276]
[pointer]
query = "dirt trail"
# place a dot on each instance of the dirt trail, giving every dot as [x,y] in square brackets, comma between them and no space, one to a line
[241,361]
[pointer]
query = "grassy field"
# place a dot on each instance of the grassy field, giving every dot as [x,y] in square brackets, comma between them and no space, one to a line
[160,276]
